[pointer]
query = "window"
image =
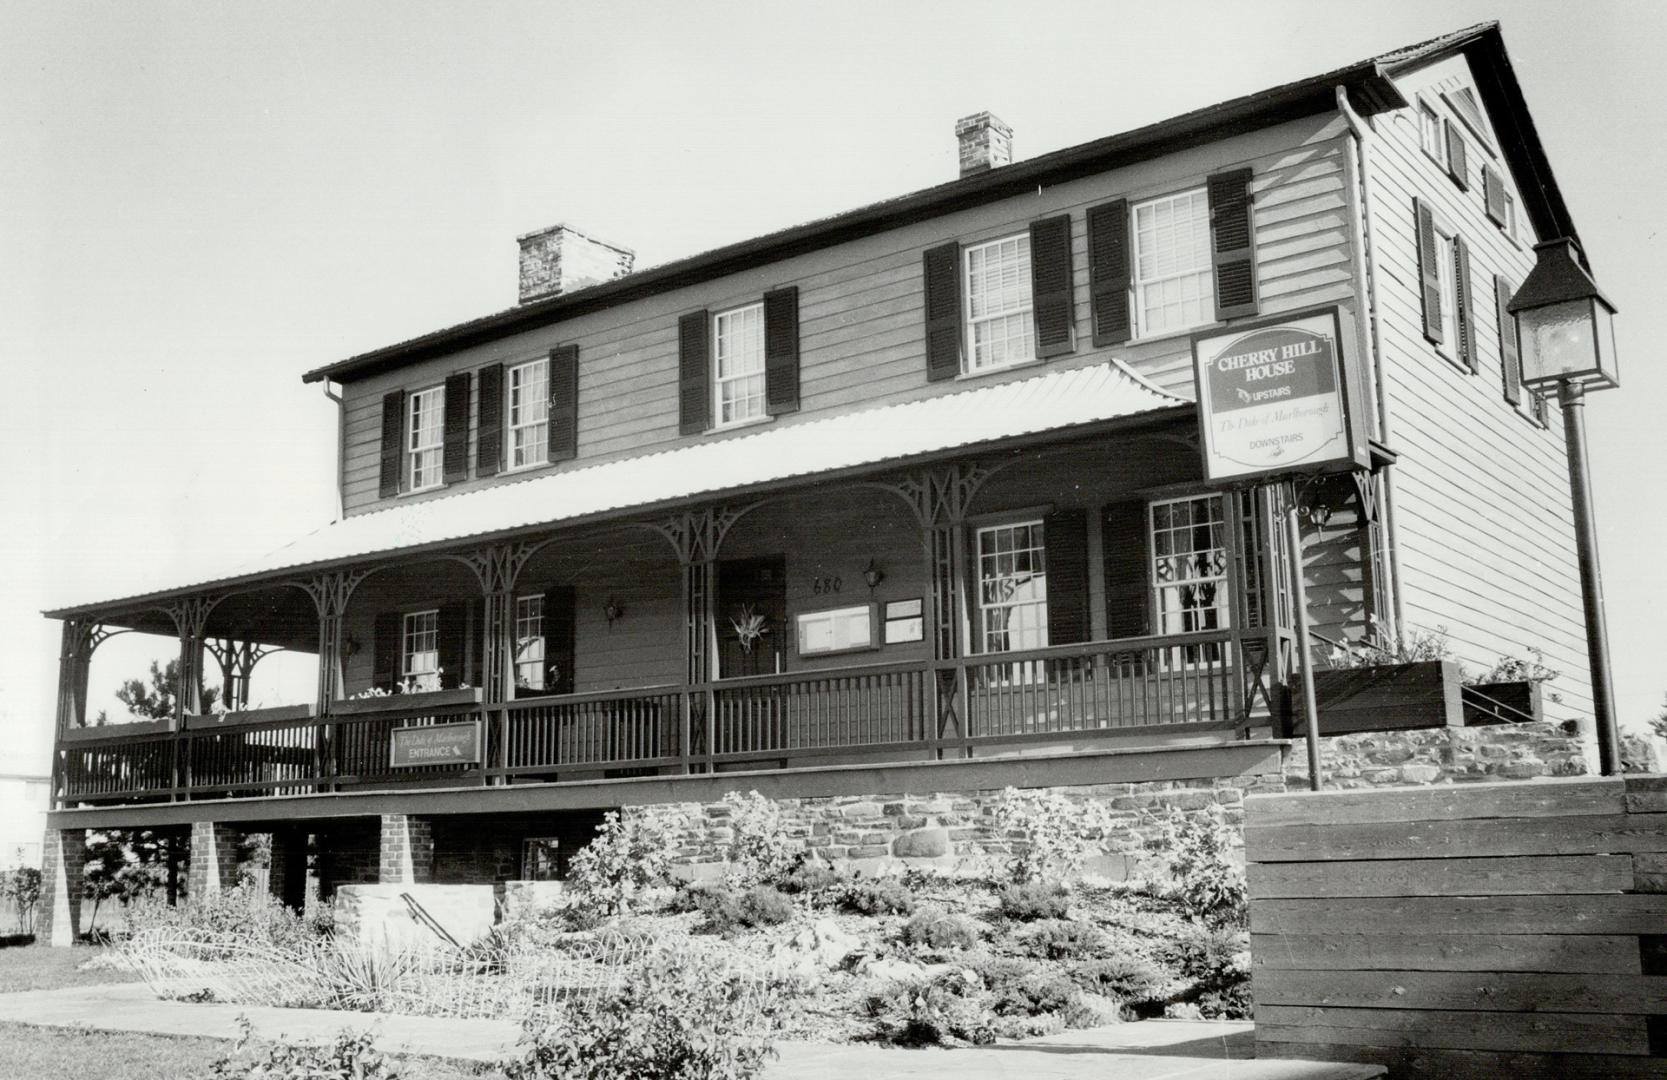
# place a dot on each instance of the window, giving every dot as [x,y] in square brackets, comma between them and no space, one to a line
[421,654]
[1446,264]
[1430,135]
[1012,587]
[999,328]
[1189,564]
[1174,289]
[529,414]
[529,643]
[739,348]
[846,629]
[425,438]
[541,859]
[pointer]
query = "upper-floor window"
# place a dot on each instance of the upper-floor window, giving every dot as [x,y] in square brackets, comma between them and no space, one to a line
[529,414]
[738,371]
[1189,564]
[1446,264]
[1430,135]
[1012,587]
[999,327]
[425,438]
[420,651]
[529,642]
[1174,286]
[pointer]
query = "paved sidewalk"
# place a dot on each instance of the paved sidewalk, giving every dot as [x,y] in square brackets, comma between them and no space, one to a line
[1151,1050]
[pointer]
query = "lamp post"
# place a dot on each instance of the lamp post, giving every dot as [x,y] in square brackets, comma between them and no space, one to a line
[1566,341]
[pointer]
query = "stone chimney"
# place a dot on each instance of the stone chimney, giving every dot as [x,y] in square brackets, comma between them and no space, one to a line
[561,259]
[986,143]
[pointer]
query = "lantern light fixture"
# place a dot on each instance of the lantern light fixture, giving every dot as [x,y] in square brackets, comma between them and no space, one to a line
[1565,325]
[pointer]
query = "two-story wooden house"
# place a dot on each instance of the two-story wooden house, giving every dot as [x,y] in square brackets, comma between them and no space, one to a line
[906,499]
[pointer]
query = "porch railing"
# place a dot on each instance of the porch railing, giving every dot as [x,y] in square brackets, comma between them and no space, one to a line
[1074,693]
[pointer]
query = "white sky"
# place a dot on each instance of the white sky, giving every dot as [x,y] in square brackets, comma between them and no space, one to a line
[200,201]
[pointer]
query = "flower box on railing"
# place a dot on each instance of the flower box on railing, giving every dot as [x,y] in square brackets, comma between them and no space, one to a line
[1517,702]
[120,731]
[275,714]
[428,700]
[1383,697]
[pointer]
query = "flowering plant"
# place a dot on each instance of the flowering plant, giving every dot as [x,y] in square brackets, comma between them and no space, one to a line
[750,625]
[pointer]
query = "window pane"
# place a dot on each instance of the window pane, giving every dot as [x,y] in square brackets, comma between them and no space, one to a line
[529,643]
[1012,587]
[739,364]
[425,437]
[1189,564]
[529,412]
[999,327]
[1174,282]
[420,667]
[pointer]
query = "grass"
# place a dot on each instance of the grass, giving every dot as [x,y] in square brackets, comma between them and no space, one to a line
[41,967]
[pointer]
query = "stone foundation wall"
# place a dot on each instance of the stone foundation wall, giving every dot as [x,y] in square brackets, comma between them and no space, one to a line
[1447,755]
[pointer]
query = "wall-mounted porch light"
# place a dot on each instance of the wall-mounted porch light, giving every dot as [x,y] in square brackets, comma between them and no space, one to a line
[1566,340]
[873,575]
[613,611]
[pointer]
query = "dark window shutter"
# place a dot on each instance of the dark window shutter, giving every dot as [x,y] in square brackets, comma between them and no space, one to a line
[1051,286]
[1493,194]
[1108,272]
[489,441]
[455,457]
[1065,536]
[1123,541]
[1232,246]
[1465,316]
[1458,163]
[564,403]
[559,636]
[694,373]
[1429,274]
[453,643]
[942,271]
[1510,360]
[385,647]
[393,441]
[781,350]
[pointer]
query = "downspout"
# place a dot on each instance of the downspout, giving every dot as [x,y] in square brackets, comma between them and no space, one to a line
[1358,181]
[341,447]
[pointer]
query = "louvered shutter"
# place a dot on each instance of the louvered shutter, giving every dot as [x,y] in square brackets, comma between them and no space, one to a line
[385,648]
[1458,162]
[564,403]
[1108,272]
[781,350]
[1510,360]
[1123,539]
[941,271]
[455,457]
[1051,292]
[1493,194]
[1465,316]
[1065,536]
[393,442]
[1231,246]
[453,643]
[489,440]
[560,618]
[694,373]
[1429,273]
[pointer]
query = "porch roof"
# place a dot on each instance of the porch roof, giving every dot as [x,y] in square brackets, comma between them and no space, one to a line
[895,433]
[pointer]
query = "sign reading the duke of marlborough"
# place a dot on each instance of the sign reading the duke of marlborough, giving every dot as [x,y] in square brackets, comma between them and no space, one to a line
[437,744]
[1273,398]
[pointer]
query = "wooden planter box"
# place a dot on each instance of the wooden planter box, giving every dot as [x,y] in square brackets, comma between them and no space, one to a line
[1390,697]
[432,699]
[119,731]
[275,714]
[1503,703]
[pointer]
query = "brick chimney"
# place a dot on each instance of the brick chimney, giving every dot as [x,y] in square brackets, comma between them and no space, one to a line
[561,259]
[986,143]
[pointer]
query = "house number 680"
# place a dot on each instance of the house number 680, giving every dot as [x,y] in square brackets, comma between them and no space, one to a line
[821,585]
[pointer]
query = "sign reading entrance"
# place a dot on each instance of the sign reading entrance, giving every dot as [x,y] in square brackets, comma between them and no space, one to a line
[1274,397]
[437,744]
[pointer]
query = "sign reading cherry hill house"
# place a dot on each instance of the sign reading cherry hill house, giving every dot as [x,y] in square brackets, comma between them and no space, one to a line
[1274,397]
[435,744]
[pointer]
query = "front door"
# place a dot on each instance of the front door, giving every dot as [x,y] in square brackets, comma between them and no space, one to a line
[752,616]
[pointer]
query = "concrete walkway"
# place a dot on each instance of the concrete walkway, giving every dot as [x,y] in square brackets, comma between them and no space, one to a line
[1152,1050]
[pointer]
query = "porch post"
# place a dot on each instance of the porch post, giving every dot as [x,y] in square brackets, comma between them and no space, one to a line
[498,568]
[330,592]
[63,855]
[696,536]
[190,616]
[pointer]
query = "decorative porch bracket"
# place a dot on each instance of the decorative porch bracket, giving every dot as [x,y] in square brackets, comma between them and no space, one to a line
[941,497]
[190,617]
[497,568]
[330,592]
[237,660]
[696,536]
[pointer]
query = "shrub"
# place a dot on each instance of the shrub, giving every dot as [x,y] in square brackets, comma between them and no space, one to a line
[1058,832]
[1216,960]
[1208,878]
[627,856]
[878,896]
[817,883]
[351,1057]
[20,890]
[239,915]
[934,928]
[728,911]
[948,1008]
[1061,939]
[1033,900]
[670,1018]
[1131,979]
[760,851]
[1027,992]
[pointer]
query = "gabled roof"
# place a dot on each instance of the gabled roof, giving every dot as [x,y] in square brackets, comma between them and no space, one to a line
[1368,80]
[995,414]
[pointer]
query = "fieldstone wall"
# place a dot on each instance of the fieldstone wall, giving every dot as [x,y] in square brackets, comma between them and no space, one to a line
[1447,755]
